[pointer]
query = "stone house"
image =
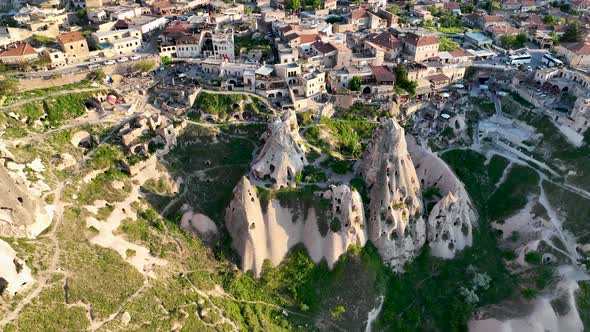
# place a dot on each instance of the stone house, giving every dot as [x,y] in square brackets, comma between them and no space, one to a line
[74,45]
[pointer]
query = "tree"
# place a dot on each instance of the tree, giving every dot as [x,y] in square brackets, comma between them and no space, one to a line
[403,82]
[248,10]
[428,23]
[82,14]
[554,37]
[337,312]
[491,6]
[315,4]
[468,8]
[394,9]
[166,60]
[8,85]
[550,19]
[521,39]
[355,84]
[511,42]
[98,75]
[294,5]
[572,34]
[446,44]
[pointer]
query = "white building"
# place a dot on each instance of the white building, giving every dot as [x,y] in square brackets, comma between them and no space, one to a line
[147,24]
[125,45]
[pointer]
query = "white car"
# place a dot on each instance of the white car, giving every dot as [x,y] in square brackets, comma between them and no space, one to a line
[135,57]
[109,62]
[123,59]
[94,65]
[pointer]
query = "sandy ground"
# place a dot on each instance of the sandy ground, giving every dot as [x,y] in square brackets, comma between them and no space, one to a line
[142,260]
[197,223]
[16,280]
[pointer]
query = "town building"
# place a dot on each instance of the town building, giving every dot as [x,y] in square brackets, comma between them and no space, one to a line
[74,45]
[419,48]
[18,53]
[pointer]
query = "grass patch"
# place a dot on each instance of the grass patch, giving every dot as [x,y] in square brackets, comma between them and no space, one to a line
[49,312]
[496,168]
[224,105]
[246,43]
[512,195]
[224,158]
[98,276]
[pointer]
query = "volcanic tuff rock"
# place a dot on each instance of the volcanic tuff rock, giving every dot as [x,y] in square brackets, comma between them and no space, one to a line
[268,229]
[395,222]
[21,214]
[14,274]
[283,154]
[451,220]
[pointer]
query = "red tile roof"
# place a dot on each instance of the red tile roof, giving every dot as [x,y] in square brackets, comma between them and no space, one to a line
[19,49]
[438,78]
[358,14]
[386,40]
[323,48]
[459,53]
[501,30]
[70,37]
[582,48]
[162,4]
[418,41]
[492,18]
[383,74]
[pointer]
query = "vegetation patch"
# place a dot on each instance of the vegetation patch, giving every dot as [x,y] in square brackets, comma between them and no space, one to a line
[224,105]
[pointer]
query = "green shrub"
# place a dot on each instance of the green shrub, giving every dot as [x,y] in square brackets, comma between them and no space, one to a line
[533,257]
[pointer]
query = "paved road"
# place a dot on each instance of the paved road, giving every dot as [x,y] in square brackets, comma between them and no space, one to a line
[81,67]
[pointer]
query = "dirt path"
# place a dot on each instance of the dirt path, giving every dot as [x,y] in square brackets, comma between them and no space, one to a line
[53,94]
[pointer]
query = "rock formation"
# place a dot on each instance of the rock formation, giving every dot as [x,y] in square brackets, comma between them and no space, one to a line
[14,274]
[449,225]
[268,229]
[395,223]
[283,154]
[21,213]
[395,178]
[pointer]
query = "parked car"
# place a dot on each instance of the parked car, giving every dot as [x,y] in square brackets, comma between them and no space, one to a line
[123,59]
[135,57]
[109,62]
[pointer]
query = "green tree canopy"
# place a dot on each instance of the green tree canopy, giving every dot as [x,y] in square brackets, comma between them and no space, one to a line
[355,84]
[572,34]
[550,19]
[294,5]
[491,6]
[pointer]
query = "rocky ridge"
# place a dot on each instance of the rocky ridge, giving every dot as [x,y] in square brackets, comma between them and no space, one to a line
[396,177]
[22,212]
[283,154]
[269,229]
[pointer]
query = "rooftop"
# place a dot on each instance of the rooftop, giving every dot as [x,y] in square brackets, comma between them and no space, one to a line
[70,37]
[19,49]
[417,40]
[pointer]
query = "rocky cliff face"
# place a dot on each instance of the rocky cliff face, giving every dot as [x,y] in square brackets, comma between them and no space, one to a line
[398,223]
[14,274]
[450,222]
[268,229]
[282,155]
[22,214]
[395,223]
